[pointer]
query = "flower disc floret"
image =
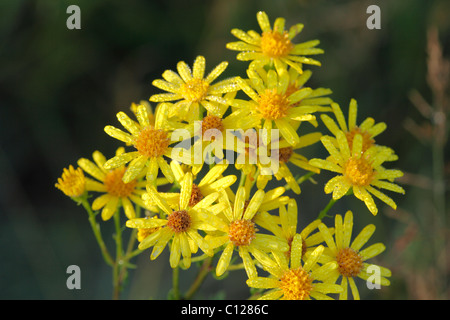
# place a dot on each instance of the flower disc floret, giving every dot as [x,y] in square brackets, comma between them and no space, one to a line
[349,262]
[211,122]
[296,284]
[196,195]
[273,105]
[115,186]
[242,232]
[179,221]
[152,142]
[275,44]
[359,171]
[194,90]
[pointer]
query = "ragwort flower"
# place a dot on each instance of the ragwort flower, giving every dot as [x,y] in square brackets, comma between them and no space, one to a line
[367,129]
[72,182]
[116,193]
[274,46]
[285,226]
[190,89]
[290,279]
[349,256]
[151,143]
[359,170]
[181,225]
[236,230]
[275,107]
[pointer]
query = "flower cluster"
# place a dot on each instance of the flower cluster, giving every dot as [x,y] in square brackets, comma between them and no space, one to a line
[179,188]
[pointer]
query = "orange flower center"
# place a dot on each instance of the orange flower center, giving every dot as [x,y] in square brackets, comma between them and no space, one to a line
[241,232]
[296,284]
[359,171]
[349,262]
[285,154]
[115,185]
[211,122]
[273,105]
[179,221]
[367,140]
[152,142]
[194,90]
[275,44]
[196,195]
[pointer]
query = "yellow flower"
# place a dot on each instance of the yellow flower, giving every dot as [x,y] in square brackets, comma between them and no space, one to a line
[367,129]
[213,181]
[285,226]
[274,46]
[72,182]
[349,256]
[287,154]
[180,225]
[359,170]
[237,230]
[297,81]
[151,143]
[212,135]
[192,90]
[273,199]
[275,107]
[116,193]
[291,280]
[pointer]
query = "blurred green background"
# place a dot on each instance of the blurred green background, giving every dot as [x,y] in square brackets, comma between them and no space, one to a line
[60,87]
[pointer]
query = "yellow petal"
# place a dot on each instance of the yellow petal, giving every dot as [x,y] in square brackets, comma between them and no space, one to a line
[164,236]
[216,72]
[120,160]
[110,208]
[128,208]
[372,251]
[199,67]
[224,260]
[249,265]
[263,21]
[352,114]
[119,134]
[128,124]
[89,167]
[339,116]
[134,168]
[287,131]
[254,204]
[296,251]
[101,201]
[363,237]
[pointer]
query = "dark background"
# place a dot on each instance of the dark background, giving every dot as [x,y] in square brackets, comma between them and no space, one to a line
[60,87]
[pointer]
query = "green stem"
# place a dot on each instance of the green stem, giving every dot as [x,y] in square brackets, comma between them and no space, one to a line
[324,212]
[176,283]
[97,233]
[118,263]
[233,267]
[305,177]
[203,272]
